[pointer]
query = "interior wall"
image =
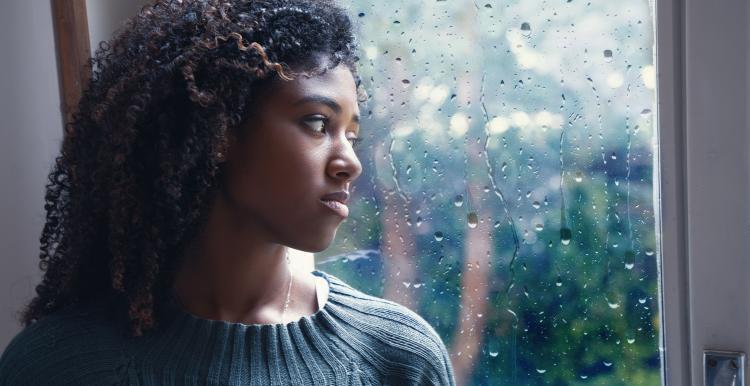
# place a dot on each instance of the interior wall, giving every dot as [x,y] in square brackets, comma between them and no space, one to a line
[717,134]
[106,16]
[31,128]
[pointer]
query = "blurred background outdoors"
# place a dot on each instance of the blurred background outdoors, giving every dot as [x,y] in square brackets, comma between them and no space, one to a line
[508,186]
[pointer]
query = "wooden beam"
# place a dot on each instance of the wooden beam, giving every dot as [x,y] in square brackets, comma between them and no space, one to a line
[73,51]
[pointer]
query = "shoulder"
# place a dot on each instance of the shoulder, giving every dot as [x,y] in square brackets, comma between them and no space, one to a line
[65,346]
[408,344]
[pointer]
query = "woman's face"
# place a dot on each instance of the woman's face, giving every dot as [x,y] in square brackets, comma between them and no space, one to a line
[297,149]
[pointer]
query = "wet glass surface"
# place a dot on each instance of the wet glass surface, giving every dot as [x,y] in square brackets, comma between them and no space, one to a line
[508,186]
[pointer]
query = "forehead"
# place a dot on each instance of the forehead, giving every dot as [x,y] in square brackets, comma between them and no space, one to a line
[336,83]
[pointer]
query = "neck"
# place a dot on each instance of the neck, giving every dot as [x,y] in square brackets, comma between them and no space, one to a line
[231,272]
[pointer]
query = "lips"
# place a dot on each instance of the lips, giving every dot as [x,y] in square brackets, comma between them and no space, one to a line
[341,196]
[336,202]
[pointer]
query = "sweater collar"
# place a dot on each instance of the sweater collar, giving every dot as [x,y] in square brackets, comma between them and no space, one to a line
[176,313]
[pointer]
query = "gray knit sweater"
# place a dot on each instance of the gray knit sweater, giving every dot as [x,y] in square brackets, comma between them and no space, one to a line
[355,339]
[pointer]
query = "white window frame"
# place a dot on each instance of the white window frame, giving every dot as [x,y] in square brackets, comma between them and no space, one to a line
[669,182]
[703,181]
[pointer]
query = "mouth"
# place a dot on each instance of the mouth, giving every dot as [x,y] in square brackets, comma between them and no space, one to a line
[337,207]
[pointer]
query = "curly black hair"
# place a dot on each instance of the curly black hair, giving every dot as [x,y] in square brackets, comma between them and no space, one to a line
[141,156]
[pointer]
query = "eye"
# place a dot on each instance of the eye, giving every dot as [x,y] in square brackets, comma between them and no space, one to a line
[355,142]
[316,122]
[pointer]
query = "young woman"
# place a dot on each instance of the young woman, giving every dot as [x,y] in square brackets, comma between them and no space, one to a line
[214,136]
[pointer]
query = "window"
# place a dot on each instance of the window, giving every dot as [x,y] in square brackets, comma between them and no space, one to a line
[508,185]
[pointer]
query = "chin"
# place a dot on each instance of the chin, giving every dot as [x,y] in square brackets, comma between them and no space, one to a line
[318,244]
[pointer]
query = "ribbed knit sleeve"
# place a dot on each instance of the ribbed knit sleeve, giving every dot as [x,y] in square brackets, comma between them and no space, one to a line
[355,339]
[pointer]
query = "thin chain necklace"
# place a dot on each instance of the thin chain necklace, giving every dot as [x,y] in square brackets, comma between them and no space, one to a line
[289,290]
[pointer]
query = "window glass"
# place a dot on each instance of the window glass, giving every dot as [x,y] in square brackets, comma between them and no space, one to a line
[508,186]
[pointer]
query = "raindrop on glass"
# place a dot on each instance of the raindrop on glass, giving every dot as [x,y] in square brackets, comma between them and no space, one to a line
[458,201]
[579,176]
[629,259]
[438,236]
[472,219]
[539,227]
[608,56]
[525,29]
[565,235]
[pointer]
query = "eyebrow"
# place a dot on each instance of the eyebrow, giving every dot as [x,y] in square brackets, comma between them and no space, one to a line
[326,101]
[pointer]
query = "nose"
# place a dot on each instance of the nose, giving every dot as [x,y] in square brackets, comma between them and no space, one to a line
[344,165]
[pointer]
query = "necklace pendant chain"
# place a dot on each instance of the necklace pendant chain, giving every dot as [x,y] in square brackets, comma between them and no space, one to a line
[289,290]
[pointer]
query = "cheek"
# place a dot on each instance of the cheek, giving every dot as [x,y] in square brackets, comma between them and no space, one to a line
[277,177]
